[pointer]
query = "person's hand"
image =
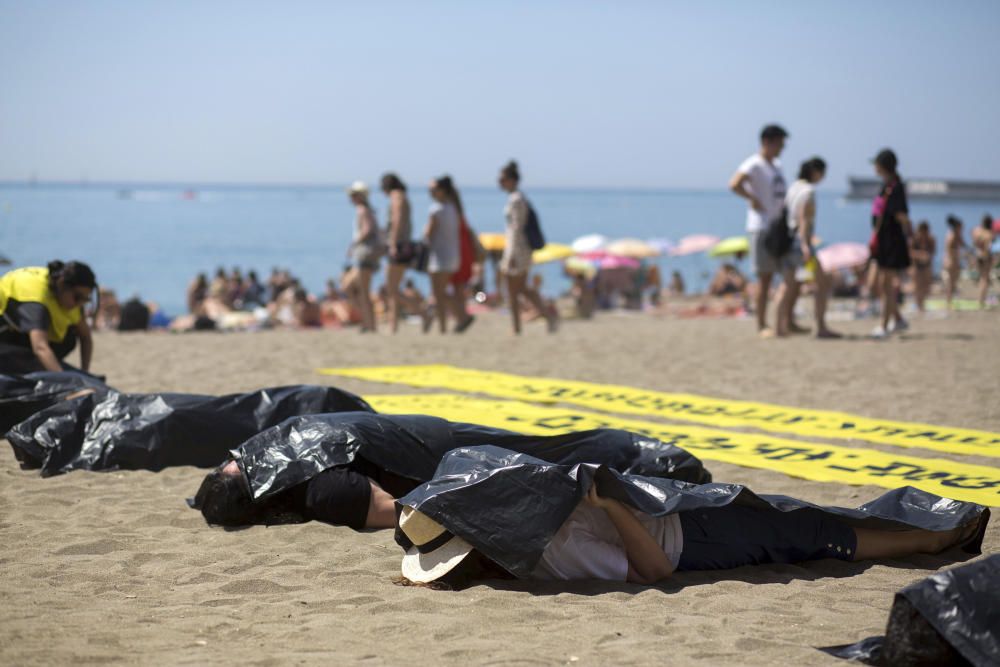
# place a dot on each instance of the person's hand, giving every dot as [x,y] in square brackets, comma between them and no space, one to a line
[594,499]
[757,206]
[806,253]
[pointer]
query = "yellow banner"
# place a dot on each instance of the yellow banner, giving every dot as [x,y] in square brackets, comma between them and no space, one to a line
[821,463]
[685,407]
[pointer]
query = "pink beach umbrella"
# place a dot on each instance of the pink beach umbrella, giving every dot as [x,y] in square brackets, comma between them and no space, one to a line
[842,256]
[689,245]
[616,262]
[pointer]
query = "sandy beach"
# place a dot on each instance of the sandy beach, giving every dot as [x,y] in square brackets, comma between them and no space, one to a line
[114,568]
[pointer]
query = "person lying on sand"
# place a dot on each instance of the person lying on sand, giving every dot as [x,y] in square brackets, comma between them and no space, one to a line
[348,468]
[511,512]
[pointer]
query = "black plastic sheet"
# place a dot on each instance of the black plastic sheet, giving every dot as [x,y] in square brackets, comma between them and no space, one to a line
[949,618]
[411,446]
[155,431]
[23,395]
[508,505]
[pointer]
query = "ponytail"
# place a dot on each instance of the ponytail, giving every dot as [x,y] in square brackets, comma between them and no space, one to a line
[451,192]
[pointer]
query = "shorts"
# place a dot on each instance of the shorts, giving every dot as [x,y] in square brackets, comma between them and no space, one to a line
[761,258]
[366,257]
[720,538]
[404,254]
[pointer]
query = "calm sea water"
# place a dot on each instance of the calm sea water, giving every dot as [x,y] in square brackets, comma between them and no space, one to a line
[154,239]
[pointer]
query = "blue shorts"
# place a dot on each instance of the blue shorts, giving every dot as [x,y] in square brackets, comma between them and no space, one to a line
[724,537]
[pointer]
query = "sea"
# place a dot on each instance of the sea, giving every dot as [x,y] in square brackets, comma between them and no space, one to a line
[150,240]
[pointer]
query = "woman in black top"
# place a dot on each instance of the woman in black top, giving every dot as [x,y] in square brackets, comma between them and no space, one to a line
[890,241]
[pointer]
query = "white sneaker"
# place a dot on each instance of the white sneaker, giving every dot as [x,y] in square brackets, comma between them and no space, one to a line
[898,324]
[879,333]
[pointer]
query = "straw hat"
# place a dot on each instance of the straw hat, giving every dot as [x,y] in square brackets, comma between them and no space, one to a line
[358,188]
[435,550]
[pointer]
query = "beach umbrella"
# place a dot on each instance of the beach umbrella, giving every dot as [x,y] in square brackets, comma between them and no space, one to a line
[664,246]
[580,265]
[842,256]
[551,252]
[734,245]
[617,262]
[589,243]
[689,245]
[632,248]
[492,242]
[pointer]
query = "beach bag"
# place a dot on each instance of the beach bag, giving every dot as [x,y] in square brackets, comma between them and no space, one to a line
[878,208]
[467,254]
[777,237]
[532,229]
[420,257]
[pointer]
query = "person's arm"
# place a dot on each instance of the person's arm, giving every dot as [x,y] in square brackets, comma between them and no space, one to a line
[805,227]
[40,346]
[367,223]
[432,223]
[647,562]
[737,185]
[86,344]
[381,508]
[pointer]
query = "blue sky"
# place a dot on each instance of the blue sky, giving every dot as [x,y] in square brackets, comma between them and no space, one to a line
[624,94]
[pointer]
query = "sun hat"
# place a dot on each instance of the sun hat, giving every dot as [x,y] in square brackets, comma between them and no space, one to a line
[358,187]
[435,551]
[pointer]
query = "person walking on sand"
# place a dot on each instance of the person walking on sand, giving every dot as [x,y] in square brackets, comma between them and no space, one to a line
[924,247]
[889,244]
[400,240]
[516,260]
[444,251]
[759,180]
[982,246]
[365,253]
[801,204]
[954,244]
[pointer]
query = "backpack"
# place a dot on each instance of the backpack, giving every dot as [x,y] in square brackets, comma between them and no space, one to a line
[532,229]
[777,236]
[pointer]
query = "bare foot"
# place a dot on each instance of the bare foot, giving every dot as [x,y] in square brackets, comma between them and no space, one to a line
[766,333]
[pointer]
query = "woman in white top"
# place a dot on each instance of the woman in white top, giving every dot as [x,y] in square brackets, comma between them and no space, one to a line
[444,250]
[516,260]
[365,253]
[801,204]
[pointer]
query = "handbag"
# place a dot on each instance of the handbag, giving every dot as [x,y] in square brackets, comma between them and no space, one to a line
[420,257]
[873,240]
[777,238]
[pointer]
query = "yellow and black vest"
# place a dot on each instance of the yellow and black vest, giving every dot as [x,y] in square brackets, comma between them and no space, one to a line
[31,285]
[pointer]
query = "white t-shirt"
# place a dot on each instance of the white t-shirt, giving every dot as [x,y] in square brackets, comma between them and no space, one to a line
[767,184]
[588,545]
[445,249]
[799,195]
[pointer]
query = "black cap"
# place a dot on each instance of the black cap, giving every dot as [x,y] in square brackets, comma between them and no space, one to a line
[886,159]
[773,132]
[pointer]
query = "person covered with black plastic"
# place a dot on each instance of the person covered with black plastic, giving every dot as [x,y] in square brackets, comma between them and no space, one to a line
[348,469]
[587,522]
[109,430]
[41,317]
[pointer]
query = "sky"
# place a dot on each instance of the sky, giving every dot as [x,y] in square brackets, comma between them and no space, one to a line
[583,94]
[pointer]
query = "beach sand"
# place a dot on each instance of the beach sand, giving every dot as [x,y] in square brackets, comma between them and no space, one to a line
[114,568]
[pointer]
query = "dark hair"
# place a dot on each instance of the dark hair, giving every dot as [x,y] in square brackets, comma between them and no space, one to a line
[953,222]
[987,222]
[450,191]
[771,132]
[812,166]
[71,274]
[390,182]
[224,500]
[511,171]
[924,226]
[887,160]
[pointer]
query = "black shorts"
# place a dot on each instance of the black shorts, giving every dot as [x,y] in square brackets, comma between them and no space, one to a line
[725,537]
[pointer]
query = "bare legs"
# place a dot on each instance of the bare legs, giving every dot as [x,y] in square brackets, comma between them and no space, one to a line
[890,296]
[358,285]
[985,267]
[951,286]
[921,285]
[787,303]
[763,290]
[517,284]
[442,301]
[393,277]
[822,296]
[875,544]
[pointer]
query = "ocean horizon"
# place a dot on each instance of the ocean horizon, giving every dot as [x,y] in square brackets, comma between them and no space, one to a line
[150,238]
